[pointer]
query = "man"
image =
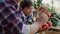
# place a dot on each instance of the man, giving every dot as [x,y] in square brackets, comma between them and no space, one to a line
[11,21]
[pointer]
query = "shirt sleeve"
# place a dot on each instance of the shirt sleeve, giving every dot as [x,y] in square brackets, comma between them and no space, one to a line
[25,29]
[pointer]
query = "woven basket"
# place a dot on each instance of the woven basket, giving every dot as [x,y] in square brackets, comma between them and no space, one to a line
[49,32]
[56,31]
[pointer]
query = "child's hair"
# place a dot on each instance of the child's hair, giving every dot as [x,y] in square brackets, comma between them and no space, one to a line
[25,3]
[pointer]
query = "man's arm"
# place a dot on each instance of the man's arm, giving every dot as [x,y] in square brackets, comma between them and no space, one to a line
[41,20]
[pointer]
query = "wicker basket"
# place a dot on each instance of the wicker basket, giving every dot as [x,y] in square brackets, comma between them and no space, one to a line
[56,31]
[49,32]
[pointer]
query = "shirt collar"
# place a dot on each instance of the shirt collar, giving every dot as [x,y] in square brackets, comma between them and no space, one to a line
[23,14]
[26,16]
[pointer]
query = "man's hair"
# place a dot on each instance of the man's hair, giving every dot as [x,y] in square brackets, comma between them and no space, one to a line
[25,3]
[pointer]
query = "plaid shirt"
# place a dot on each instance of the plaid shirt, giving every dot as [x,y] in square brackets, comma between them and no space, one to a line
[26,19]
[10,19]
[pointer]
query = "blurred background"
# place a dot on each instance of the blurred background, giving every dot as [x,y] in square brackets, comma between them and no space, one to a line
[53,7]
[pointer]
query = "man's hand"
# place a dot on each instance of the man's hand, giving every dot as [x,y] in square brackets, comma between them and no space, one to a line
[43,18]
[45,26]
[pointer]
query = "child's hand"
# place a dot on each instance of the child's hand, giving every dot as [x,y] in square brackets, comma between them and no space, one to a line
[41,9]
